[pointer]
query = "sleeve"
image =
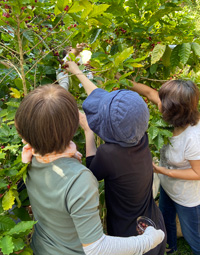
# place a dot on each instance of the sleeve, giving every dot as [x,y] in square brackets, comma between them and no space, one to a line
[134,245]
[82,204]
[99,165]
[89,161]
[192,151]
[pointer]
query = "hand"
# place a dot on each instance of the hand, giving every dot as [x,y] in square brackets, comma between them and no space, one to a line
[83,122]
[63,80]
[156,235]
[159,169]
[72,67]
[78,49]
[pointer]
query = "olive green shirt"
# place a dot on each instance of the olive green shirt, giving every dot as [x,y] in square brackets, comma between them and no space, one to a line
[64,198]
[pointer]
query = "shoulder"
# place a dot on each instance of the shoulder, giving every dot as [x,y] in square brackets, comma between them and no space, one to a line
[63,169]
[109,149]
[192,132]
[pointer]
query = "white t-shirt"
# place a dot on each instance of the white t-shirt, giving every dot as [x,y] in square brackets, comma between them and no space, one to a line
[183,147]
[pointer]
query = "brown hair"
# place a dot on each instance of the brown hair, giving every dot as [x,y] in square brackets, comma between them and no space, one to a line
[180,100]
[47,119]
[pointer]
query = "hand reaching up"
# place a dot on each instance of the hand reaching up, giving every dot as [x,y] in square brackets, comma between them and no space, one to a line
[83,122]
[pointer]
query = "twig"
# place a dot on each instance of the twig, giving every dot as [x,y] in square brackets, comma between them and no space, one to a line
[6,75]
[12,65]
[21,54]
[144,78]
[45,36]
[46,55]
[8,48]
[35,77]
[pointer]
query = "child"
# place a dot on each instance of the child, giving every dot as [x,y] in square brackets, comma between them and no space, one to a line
[120,118]
[62,192]
[180,160]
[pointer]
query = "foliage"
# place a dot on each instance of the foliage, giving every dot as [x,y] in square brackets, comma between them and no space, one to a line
[147,41]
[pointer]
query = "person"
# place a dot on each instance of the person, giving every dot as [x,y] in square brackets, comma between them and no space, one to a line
[63,193]
[120,118]
[179,169]
[81,55]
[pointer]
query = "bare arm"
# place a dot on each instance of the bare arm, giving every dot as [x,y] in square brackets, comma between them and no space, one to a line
[143,90]
[192,173]
[146,91]
[87,84]
[89,136]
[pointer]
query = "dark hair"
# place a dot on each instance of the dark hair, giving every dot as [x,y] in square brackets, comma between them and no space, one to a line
[47,119]
[179,100]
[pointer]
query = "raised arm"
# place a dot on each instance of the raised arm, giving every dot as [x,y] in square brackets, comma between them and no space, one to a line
[89,136]
[146,91]
[73,68]
[143,90]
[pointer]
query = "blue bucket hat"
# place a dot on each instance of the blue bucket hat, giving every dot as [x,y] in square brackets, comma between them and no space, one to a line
[117,117]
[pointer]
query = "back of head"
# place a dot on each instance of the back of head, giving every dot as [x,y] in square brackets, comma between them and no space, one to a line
[119,117]
[180,100]
[47,119]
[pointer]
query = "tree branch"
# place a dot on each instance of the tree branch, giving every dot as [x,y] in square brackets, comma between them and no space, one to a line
[48,34]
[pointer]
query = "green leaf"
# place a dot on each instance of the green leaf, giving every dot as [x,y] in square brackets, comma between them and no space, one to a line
[13,104]
[153,132]
[109,85]
[3,112]
[184,52]
[166,56]
[27,251]
[136,59]
[86,12]
[5,130]
[98,10]
[125,75]
[67,20]
[22,226]
[18,83]
[76,7]
[61,4]
[18,244]
[6,223]
[23,170]
[2,155]
[196,49]
[21,213]
[153,68]
[8,200]
[95,33]
[157,53]
[3,183]
[57,11]
[6,245]
[16,194]
[166,133]
[123,55]
[29,35]
[159,141]
[175,59]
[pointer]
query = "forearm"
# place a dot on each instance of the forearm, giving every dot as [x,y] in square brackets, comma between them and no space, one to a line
[90,143]
[87,84]
[135,245]
[146,91]
[184,174]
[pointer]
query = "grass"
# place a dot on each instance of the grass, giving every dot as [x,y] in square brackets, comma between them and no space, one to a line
[183,248]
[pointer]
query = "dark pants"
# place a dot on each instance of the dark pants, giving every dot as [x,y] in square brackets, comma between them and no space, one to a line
[189,218]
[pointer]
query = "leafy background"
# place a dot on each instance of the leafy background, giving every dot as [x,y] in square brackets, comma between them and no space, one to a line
[147,41]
